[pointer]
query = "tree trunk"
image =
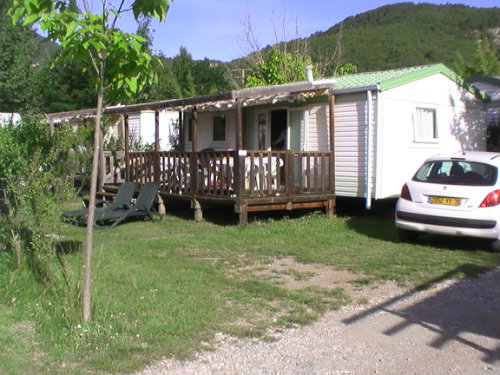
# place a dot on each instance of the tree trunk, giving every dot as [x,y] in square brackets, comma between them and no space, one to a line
[87,263]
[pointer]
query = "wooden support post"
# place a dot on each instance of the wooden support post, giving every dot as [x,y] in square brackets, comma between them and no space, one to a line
[198,212]
[126,140]
[193,161]
[239,169]
[330,208]
[161,205]
[194,130]
[243,215]
[182,138]
[239,127]
[157,131]
[121,131]
[289,171]
[156,166]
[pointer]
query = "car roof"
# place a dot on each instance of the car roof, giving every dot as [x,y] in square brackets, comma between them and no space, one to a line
[477,156]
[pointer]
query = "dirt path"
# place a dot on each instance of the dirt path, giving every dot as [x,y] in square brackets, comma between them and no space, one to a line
[451,328]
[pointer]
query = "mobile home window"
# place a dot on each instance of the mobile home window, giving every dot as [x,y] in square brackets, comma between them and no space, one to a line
[219,128]
[425,126]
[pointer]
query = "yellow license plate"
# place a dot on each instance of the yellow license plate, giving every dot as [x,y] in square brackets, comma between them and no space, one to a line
[445,200]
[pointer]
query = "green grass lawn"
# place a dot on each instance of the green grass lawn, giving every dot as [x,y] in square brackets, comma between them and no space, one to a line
[164,288]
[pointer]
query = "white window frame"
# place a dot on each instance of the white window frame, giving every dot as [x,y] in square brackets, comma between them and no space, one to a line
[421,136]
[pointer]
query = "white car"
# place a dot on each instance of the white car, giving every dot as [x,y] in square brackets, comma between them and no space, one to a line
[457,195]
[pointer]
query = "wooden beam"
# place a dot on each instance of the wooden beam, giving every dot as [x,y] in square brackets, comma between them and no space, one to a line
[170,103]
[194,130]
[126,140]
[193,162]
[157,149]
[157,131]
[182,136]
[286,206]
[239,127]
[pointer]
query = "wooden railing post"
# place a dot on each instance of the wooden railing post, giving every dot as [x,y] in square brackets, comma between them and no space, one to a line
[156,157]
[289,172]
[182,136]
[127,157]
[194,155]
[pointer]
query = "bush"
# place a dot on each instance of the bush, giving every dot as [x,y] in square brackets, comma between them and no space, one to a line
[36,172]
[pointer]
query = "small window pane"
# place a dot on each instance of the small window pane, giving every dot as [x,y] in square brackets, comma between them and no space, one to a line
[425,124]
[219,123]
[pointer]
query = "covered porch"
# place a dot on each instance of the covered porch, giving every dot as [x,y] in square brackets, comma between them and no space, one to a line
[248,173]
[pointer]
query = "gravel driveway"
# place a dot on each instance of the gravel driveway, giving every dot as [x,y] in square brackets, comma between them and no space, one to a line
[451,328]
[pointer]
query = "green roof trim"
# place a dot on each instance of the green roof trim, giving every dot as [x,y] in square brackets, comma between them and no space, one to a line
[388,79]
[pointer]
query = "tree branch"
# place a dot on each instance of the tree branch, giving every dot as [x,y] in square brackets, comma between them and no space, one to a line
[119,11]
[93,61]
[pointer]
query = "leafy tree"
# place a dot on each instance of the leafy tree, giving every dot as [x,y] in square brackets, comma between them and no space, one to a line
[182,67]
[182,76]
[347,68]
[30,80]
[120,61]
[210,78]
[277,68]
[485,61]
[18,51]
[62,86]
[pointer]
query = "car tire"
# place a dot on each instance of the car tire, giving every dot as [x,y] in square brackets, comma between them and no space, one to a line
[409,236]
[495,245]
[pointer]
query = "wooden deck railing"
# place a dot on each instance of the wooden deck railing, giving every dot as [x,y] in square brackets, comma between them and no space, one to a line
[228,174]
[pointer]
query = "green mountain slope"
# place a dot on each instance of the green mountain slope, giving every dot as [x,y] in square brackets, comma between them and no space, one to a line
[408,34]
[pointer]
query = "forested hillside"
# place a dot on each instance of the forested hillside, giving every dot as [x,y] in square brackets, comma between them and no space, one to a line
[408,34]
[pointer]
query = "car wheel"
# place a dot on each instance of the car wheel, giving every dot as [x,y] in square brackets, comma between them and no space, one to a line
[407,235]
[495,245]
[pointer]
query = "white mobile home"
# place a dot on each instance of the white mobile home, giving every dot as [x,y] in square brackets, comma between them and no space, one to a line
[413,113]
[385,124]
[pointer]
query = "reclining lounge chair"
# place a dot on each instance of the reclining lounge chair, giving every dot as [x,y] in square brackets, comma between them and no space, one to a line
[122,199]
[142,207]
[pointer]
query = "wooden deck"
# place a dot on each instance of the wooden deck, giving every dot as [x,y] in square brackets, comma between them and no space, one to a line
[251,181]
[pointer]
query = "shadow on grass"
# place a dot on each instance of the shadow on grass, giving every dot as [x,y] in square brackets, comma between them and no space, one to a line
[378,223]
[468,306]
[224,215]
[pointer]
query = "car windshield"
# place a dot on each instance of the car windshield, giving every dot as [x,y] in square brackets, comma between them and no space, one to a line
[457,172]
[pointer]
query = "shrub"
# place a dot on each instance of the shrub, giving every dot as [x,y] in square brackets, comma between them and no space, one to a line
[36,171]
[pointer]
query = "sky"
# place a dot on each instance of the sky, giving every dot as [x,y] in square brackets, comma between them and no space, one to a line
[214,29]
